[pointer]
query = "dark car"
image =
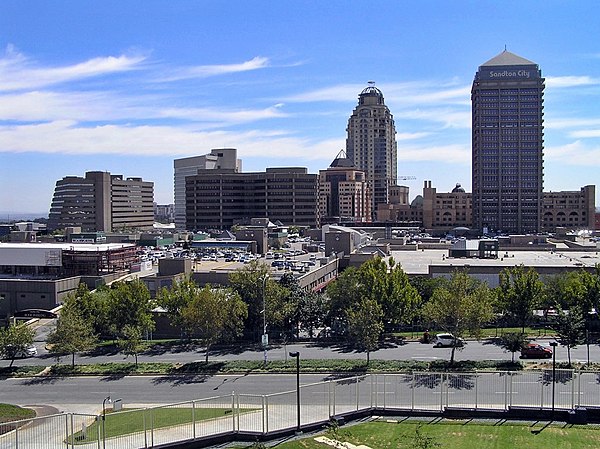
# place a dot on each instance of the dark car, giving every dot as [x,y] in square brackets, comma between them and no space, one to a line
[536,351]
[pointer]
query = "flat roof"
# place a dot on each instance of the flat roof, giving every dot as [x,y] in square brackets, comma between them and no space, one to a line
[418,262]
[66,246]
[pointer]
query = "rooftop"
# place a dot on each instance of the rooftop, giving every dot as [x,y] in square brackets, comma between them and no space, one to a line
[507,58]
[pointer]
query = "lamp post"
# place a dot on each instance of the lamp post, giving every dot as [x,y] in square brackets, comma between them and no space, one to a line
[265,337]
[296,355]
[106,399]
[553,344]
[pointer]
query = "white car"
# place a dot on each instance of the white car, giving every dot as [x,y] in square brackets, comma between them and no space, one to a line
[447,340]
[29,351]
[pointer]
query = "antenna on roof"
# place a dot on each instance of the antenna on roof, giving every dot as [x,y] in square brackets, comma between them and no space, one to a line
[371,83]
[504,47]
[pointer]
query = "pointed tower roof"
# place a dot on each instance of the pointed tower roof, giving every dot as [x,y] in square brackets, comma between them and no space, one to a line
[507,58]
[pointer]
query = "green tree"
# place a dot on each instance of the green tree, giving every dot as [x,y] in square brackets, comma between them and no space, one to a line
[176,298]
[591,284]
[513,342]
[343,294]
[92,306]
[215,315]
[72,334]
[131,342]
[15,340]
[460,305]
[253,285]
[365,325]
[570,328]
[130,304]
[385,283]
[312,312]
[520,293]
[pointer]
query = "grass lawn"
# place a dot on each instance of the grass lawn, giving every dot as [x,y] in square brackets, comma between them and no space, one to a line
[132,420]
[380,435]
[10,412]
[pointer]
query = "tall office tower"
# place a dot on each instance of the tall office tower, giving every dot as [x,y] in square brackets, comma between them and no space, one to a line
[371,144]
[507,145]
[102,202]
[223,158]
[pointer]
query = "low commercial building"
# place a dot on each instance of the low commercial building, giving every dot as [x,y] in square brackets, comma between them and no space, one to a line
[40,275]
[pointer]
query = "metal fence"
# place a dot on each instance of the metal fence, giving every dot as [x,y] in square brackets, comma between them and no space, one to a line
[261,414]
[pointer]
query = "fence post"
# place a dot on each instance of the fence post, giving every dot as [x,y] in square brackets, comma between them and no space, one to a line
[573,374]
[384,392]
[329,398]
[506,374]
[194,419]
[145,428]
[151,427]
[334,399]
[542,395]
[412,393]
[357,394]
[67,428]
[98,430]
[233,411]
[476,384]
[266,413]
[442,392]
[263,414]
[579,390]
[372,378]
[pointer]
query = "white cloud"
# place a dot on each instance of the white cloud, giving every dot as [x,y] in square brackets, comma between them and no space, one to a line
[556,82]
[18,73]
[66,137]
[223,116]
[584,134]
[205,71]
[574,153]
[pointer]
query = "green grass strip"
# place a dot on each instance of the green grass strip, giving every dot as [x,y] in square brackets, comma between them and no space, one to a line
[458,435]
[131,421]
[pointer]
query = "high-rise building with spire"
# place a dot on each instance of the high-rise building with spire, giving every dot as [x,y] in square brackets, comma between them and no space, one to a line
[371,144]
[507,145]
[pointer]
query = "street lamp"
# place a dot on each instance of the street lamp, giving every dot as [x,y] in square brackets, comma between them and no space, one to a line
[106,399]
[553,344]
[265,337]
[296,355]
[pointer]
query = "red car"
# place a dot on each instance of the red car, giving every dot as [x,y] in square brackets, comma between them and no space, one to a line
[536,351]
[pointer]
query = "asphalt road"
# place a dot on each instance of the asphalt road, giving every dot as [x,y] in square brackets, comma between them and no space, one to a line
[473,350]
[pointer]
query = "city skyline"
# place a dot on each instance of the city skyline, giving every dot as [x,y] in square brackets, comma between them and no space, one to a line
[84,89]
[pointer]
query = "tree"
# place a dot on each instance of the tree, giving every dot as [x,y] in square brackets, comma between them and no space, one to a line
[312,312]
[253,285]
[176,298]
[365,325]
[131,342]
[387,284]
[130,304]
[570,328]
[513,342]
[591,284]
[72,334]
[92,306]
[214,315]
[15,340]
[460,305]
[520,293]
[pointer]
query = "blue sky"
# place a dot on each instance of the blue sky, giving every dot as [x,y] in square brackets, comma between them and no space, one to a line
[128,86]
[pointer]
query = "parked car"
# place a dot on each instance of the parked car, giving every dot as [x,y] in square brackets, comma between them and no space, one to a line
[536,351]
[447,340]
[29,351]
